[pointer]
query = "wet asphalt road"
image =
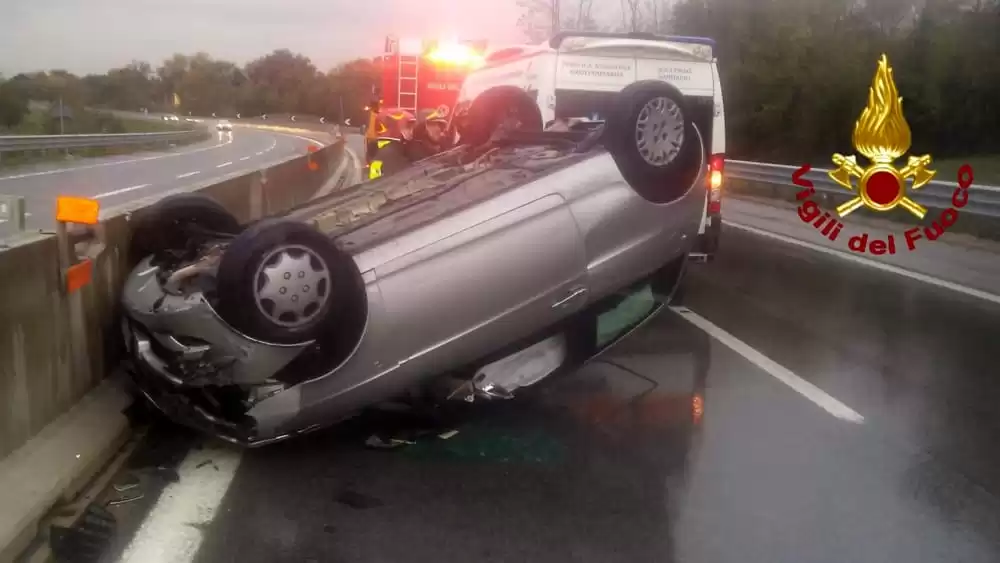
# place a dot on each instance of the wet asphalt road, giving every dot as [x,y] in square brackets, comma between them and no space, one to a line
[611,464]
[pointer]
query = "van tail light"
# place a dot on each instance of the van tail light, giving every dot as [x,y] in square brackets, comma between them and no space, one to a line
[716,166]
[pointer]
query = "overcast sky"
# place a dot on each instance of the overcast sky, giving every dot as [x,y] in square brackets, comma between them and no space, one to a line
[85,36]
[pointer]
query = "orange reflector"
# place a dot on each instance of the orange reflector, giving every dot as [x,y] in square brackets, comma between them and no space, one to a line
[77,210]
[79,275]
[312,148]
[715,180]
[697,408]
[314,166]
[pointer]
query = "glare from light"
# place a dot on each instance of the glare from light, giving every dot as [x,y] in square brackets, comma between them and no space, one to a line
[715,180]
[455,54]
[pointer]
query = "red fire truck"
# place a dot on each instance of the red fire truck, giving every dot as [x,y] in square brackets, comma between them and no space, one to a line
[420,75]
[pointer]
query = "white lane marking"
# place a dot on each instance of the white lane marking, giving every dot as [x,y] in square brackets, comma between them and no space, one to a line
[117,162]
[274,143]
[260,153]
[122,191]
[354,159]
[334,179]
[779,372]
[175,527]
[245,158]
[320,143]
[186,174]
[224,164]
[970,291]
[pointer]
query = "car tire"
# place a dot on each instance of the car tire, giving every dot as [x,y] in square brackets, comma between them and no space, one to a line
[284,282]
[495,107]
[654,142]
[168,223]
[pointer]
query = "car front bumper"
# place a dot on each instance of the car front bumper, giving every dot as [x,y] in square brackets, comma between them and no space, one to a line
[191,365]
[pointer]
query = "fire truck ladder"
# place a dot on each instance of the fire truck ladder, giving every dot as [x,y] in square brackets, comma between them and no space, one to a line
[408,66]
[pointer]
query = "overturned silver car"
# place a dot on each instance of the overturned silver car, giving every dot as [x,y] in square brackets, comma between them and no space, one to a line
[474,272]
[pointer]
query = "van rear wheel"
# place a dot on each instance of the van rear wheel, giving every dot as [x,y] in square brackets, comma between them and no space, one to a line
[653,140]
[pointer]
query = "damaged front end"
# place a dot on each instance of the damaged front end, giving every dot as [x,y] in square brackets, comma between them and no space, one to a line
[186,360]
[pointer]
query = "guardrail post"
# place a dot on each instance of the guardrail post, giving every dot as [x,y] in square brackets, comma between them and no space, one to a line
[257,195]
[76,272]
[13,210]
[66,257]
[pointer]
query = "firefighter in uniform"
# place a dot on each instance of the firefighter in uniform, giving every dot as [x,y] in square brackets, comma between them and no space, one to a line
[370,129]
[393,132]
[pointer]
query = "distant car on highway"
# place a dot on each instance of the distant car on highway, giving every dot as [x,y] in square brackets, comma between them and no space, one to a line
[470,274]
[224,125]
[171,118]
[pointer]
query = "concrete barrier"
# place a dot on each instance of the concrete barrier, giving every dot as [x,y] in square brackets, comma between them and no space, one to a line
[56,347]
[53,347]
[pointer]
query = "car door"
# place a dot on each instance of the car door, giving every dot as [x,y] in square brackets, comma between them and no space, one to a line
[483,278]
[625,237]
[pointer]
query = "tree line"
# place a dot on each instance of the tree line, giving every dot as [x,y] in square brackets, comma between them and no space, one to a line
[280,82]
[796,73]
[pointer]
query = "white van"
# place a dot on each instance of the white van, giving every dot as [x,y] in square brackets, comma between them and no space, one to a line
[575,75]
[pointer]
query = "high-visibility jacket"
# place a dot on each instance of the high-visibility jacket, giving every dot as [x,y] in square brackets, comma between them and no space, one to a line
[390,157]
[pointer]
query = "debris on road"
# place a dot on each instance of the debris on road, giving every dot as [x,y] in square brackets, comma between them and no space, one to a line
[376,441]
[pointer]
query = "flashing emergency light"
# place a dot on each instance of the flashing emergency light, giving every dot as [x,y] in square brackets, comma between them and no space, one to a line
[454,54]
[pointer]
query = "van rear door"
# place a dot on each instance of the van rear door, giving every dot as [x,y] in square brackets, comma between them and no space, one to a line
[610,62]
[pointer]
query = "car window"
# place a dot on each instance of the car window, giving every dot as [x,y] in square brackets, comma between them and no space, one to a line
[635,308]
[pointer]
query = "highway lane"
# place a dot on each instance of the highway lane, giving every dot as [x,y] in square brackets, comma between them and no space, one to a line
[118,180]
[848,414]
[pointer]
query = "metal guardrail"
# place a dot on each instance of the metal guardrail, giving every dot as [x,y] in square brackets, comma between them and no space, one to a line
[45,142]
[983,200]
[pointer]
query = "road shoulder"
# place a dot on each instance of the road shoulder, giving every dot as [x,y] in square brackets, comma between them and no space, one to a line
[957,259]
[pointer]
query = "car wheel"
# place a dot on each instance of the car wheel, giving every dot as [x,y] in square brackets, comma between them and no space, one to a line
[504,105]
[170,223]
[284,282]
[653,140]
